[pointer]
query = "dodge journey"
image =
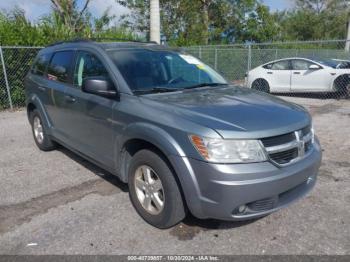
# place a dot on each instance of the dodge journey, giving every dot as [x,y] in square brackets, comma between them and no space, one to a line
[181,136]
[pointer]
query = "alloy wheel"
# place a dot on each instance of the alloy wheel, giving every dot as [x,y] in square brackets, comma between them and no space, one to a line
[38,130]
[149,190]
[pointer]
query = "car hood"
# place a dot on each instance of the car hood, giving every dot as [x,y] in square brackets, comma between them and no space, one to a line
[233,112]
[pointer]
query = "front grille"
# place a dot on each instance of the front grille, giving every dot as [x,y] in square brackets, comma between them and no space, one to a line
[278,140]
[286,148]
[285,157]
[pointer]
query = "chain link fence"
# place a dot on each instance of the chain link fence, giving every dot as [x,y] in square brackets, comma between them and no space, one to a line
[239,62]
[235,62]
[15,63]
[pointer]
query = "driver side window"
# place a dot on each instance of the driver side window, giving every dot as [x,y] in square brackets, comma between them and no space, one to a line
[87,65]
[281,65]
[301,64]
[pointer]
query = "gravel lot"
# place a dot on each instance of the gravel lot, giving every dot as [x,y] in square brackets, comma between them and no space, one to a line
[58,203]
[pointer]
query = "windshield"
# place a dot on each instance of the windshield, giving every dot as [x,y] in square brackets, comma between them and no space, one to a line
[337,64]
[330,63]
[148,71]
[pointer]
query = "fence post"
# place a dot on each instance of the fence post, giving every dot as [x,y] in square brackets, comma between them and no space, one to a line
[200,52]
[249,57]
[5,77]
[216,59]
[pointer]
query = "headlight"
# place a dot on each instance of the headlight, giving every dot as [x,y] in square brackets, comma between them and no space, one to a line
[229,151]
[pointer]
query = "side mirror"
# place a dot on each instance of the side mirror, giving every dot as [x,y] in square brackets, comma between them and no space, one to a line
[99,85]
[314,67]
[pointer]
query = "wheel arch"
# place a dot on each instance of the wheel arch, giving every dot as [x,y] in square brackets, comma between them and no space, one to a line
[33,103]
[30,108]
[141,136]
[262,79]
[343,77]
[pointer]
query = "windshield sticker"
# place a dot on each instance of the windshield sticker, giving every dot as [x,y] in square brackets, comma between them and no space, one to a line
[191,60]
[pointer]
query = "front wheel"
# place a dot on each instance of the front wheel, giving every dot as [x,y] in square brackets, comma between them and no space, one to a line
[261,85]
[154,190]
[342,86]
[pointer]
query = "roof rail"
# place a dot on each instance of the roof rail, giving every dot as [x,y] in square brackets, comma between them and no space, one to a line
[77,40]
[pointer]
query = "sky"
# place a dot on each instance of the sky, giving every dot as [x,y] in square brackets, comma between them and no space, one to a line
[278,4]
[36,8]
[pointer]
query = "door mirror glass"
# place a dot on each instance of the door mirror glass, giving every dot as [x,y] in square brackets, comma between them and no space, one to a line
[99,85]
[314,67]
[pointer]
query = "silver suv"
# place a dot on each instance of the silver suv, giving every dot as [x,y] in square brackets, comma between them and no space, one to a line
[175,130]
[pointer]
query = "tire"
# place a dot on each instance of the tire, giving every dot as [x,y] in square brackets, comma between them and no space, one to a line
[342,86]
[261,85]
[173,210]
[41,138]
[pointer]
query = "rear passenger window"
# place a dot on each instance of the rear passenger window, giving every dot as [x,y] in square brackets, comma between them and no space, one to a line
[40,64]
[60,65]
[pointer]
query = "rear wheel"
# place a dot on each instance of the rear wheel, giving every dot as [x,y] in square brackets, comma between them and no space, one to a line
[154,190]
[39,132]
[261,85]
[342,86]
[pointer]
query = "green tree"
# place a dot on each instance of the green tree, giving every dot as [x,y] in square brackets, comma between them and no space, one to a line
[316,19]
[190,22]
[69,15]
[17,30]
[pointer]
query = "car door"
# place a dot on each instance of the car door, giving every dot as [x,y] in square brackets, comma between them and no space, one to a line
[88,116]
[278,74]
[58,78]
[36,79]
[305,79]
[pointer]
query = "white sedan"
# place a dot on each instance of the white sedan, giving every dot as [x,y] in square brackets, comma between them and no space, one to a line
[301,75]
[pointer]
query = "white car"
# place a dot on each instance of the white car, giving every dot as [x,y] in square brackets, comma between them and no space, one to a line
[301,75]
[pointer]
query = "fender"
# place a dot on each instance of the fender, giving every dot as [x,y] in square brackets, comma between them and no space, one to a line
[172,150]
[152,134]
[334,86]
[34,99]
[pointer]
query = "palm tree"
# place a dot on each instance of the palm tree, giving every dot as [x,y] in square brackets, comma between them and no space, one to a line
[155,21]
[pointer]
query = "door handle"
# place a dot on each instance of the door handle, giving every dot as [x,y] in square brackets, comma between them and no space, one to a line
[270,73]
[296,73]
[70,99]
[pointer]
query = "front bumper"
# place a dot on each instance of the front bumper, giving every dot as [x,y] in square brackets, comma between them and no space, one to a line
[244,191]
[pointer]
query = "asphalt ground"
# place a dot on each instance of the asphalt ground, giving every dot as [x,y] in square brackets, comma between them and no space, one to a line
[58,203]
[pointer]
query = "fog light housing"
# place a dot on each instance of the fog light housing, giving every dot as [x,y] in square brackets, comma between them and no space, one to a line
[242,208]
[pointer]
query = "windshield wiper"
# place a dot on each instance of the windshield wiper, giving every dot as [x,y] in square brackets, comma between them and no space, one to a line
[155,90]
[205,85]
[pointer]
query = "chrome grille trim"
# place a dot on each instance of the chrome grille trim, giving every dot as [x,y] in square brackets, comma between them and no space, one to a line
[281,148]
[301,142]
